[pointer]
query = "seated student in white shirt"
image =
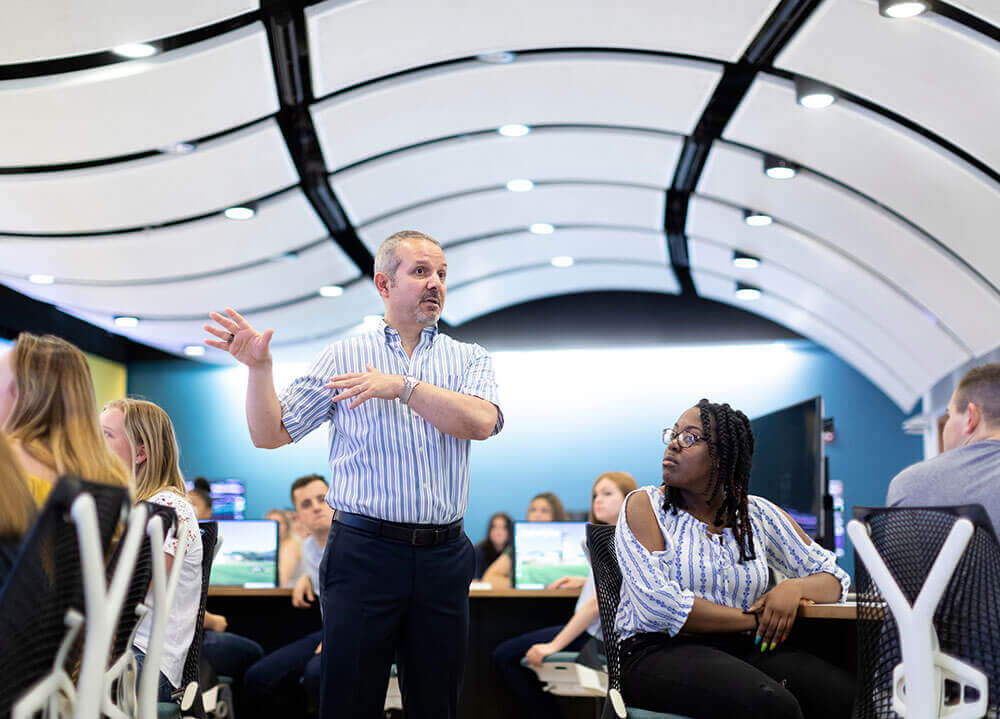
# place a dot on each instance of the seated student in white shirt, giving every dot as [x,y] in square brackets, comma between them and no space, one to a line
[701,633]
[606,497]
[142,436]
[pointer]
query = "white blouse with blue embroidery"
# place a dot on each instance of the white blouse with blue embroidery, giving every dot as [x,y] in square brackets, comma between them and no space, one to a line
[658,588]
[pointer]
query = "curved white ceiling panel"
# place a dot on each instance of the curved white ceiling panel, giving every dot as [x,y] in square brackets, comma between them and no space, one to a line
[231,169]
[138,105]
[852,320]
[815,328]
[903,320]
[300,322]
[940,193]
[932,71]
[348,40]
[596,88]
[512,288]
[215,244]
[261,285]
[60,29]
[471,261]
[496,211]
[870,235]
[546,155]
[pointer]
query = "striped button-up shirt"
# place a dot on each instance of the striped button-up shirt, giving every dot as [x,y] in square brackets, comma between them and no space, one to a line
[658,588]
[387,461]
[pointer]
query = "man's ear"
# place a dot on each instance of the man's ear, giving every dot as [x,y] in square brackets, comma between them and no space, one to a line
[974,416]
[382,283]
[140,454]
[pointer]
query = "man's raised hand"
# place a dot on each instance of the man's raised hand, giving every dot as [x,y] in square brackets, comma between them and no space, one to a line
[237,337]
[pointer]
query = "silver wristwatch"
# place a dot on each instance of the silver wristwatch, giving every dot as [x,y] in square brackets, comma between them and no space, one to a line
[409,384]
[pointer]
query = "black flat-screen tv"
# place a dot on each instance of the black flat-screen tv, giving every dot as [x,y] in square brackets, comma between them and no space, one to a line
[787,463]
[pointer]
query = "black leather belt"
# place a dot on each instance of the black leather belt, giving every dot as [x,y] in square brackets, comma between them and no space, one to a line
[419,535]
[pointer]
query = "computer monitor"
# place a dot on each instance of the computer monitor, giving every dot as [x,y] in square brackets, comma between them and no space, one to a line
[546,551]
[248,556]
[228,497]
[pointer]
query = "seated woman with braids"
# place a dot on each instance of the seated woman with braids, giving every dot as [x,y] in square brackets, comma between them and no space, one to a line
[702,635]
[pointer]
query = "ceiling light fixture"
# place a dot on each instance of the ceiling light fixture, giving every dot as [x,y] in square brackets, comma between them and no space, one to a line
[746,292]
[126,321]
[134,50]
[745,261]
[40,279]
[496,58]
[194,350]
[562,261]
[812,94]
[900,9]
[520,185]
[757,219]
[331,291]
[514,130]
[542,228]
[178,148]
[240,212]
[779,169]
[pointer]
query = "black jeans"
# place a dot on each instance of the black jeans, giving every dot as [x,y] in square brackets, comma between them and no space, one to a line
[386,601]
[725,675]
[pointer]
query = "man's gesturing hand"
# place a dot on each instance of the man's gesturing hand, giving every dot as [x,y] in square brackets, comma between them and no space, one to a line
[239,338]
[363,386]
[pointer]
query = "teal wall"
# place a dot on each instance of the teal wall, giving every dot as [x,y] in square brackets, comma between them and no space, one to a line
[570,415]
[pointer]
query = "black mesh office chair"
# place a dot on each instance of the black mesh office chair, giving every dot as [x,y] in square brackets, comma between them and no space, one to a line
[967,618]
[45,583]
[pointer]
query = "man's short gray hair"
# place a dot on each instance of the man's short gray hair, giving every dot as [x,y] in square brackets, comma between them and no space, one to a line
[387,259]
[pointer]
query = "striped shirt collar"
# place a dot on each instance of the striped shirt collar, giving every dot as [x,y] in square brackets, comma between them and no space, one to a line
[391,335]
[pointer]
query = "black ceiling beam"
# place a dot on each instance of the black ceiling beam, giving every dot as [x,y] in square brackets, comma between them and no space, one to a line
[286,35]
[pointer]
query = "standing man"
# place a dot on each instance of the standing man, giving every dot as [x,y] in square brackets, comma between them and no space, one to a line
[968,471]
[403,401]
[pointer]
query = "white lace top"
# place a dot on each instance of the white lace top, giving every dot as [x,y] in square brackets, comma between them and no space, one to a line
[184,612]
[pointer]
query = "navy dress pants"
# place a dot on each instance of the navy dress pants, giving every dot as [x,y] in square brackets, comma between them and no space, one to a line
[387,601]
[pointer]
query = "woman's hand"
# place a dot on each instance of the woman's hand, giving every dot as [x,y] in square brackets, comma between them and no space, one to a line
[568,583]
[538,652]
[776,612]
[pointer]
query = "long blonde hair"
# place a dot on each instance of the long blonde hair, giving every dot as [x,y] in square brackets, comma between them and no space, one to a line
[54,416]
[149,427]
[17,509]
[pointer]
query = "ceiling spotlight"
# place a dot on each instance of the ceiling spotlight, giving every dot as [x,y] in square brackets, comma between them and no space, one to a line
[496,58]
[746,292]
[745,261]
[756,219]
[812,94]
[331,290]
[542,228]
[520,185]
[194,350]
[178,148]
[562,261]
[40,279]
[899,9]
[514,130]
[779,169]
[135,50]
[126,321]
[240,212]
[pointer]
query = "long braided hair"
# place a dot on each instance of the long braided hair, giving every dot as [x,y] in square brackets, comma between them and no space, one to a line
[731,452]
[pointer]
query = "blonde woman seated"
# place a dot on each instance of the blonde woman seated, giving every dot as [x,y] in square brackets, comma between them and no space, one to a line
[544,507]
[49,412]
[142,436]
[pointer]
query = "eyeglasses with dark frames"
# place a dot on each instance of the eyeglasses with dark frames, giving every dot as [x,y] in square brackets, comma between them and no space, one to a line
[685,438]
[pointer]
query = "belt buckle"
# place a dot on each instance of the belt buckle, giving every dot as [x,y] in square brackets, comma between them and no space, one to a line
[424,537]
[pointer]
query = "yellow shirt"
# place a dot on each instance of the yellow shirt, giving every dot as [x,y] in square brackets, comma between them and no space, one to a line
[40,489]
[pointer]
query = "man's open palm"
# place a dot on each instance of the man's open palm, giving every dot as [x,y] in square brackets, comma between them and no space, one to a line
[237,337]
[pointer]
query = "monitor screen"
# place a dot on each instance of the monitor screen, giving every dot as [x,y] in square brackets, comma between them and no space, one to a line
[546,551]
[228,497]
[248,556]
[788,462]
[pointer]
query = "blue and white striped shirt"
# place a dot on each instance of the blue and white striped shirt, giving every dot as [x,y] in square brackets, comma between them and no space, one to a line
[658,588]
[387,461]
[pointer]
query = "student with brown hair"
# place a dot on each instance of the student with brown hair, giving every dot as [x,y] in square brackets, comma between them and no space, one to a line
[17,510]
[49,410]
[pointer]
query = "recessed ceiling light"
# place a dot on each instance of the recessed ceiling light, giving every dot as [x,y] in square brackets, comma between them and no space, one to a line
[562,261]
[40,279]
[135,50]
[496,58]
[126,321]
[520,185]
[746,292]
[514,130]
[194,350]
[178,148]
[899,9]
[331,290]
[812,94]
[778,169]
[542,228]
[757,219]
[745,261]
[240,212]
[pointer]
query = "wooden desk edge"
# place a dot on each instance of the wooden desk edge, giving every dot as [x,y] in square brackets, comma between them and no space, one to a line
[829,611]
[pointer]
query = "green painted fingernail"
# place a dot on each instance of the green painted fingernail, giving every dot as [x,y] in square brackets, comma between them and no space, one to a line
[763,647]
